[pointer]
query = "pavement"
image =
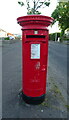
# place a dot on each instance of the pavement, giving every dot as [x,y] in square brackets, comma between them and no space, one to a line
[55,104]
[58,64]
[0,82]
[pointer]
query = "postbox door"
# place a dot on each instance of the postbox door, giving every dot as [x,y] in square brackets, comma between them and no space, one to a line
[34,68]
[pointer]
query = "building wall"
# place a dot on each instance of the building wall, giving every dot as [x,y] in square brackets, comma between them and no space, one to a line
[3,33]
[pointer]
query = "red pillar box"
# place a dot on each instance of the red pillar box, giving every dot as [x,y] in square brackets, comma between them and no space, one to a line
[34,56]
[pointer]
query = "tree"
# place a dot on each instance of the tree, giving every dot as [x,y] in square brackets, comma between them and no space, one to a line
[61,14]
[36,5]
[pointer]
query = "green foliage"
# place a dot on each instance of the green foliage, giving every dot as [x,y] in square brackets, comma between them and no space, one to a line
[65,38]
[47,3]
[31,12]
[67,106]
[52,36]
[21,3]
[62,38]
[7,38]
[35,6]
[61,14]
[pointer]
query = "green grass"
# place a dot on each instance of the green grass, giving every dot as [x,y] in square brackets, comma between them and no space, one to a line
[67,106]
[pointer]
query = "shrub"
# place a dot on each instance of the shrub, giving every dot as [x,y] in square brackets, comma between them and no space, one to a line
[64,38]
[53,35]
[7,38]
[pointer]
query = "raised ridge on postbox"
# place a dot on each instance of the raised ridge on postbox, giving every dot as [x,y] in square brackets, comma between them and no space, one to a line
[39,20]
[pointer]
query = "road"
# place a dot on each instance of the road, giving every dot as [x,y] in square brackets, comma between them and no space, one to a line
[54,106]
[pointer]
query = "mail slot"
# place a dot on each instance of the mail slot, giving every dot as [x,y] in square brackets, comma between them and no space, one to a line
[34,57]
[35,36]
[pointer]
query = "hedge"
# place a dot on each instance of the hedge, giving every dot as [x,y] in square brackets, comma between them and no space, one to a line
[53,35]
[7,38]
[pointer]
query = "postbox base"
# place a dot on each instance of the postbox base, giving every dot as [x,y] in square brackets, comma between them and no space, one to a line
[33,100]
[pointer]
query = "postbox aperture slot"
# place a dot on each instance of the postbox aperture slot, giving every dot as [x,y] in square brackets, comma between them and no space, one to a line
[35,36]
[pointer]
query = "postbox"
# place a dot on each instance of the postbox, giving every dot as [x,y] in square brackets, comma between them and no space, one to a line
[34,56]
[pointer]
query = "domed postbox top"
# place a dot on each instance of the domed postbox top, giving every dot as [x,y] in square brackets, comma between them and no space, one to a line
[34,20]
